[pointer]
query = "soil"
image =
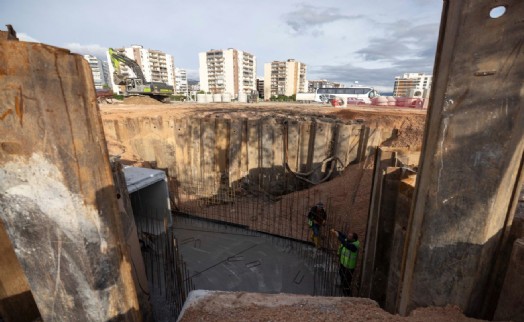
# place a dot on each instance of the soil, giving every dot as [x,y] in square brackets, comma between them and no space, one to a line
[346,198]
[149,107]
[141,100]
[409,122]
[231,306]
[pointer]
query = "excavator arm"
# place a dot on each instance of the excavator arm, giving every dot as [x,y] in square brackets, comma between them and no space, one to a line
[137,86]
[117,58]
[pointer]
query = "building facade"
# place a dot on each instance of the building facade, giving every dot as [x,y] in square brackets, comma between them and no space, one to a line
[313,85]
[284,78]
[156,65]
[193,85]
[181,85]
[227,71]
[260,87]
[406,84]
[100,71]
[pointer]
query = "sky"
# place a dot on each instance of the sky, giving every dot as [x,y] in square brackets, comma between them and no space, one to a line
[348,41]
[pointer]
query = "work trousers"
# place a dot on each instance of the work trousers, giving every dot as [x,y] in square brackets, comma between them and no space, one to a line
[346,276]
[316,230]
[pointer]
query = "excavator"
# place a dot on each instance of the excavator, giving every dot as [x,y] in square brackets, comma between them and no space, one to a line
[135,86]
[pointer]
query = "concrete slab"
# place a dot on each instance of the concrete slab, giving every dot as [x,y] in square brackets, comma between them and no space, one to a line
[138,178]
[226,258]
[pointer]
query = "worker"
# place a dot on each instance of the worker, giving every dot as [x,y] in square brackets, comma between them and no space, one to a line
[316,218]
[347,251]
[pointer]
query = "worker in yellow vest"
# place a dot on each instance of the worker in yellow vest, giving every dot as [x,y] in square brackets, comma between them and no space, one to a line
[347,252]
[316,218]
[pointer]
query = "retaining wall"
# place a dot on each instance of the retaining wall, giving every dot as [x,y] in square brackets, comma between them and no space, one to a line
[207,155]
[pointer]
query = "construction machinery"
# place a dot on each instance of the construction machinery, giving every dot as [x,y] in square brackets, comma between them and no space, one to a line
[104,96]
[135,86]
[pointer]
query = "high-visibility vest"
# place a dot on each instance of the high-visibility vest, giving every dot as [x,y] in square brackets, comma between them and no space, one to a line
[348,258]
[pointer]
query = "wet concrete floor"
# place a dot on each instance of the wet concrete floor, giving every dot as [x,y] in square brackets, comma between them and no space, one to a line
[229,258]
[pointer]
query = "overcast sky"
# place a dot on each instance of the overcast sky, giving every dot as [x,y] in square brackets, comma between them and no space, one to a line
[368,41]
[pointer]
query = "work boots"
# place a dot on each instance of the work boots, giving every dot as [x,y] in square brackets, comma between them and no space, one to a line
[316,241]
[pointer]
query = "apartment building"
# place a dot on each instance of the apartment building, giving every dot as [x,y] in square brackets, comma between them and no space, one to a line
[156,65]
[227,71]
[181,84]
[260,87]
[411,81]
[194,86]
[313,85]
[284,78]
[100,71]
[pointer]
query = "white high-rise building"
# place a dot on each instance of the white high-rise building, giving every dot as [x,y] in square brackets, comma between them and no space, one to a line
[227,71]
[411,81]
[100,71]
[181,85]
[156,65]
[284,78]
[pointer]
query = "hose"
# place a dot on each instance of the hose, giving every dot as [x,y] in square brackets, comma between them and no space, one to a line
[301,175]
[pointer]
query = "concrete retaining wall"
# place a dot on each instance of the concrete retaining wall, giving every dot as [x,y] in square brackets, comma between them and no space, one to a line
[207,155]
[391,199]
[57,200]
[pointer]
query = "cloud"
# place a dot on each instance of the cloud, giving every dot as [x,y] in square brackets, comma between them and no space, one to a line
[192,73]
[25,37]
[403,42]
[92,49]
[380,78]
[403,47]
[310,18]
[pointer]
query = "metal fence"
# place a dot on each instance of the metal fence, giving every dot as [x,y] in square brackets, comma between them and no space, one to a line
[168,278]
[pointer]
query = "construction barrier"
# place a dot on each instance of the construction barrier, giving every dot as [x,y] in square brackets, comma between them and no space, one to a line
[412,102]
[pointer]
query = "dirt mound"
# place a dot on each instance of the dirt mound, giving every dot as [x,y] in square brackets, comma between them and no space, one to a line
[141,100]
[240,306]
[409,124]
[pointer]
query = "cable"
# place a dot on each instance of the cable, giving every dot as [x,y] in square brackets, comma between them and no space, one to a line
[301,175]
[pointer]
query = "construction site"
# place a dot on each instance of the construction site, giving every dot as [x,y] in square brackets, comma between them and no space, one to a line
[147,211]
